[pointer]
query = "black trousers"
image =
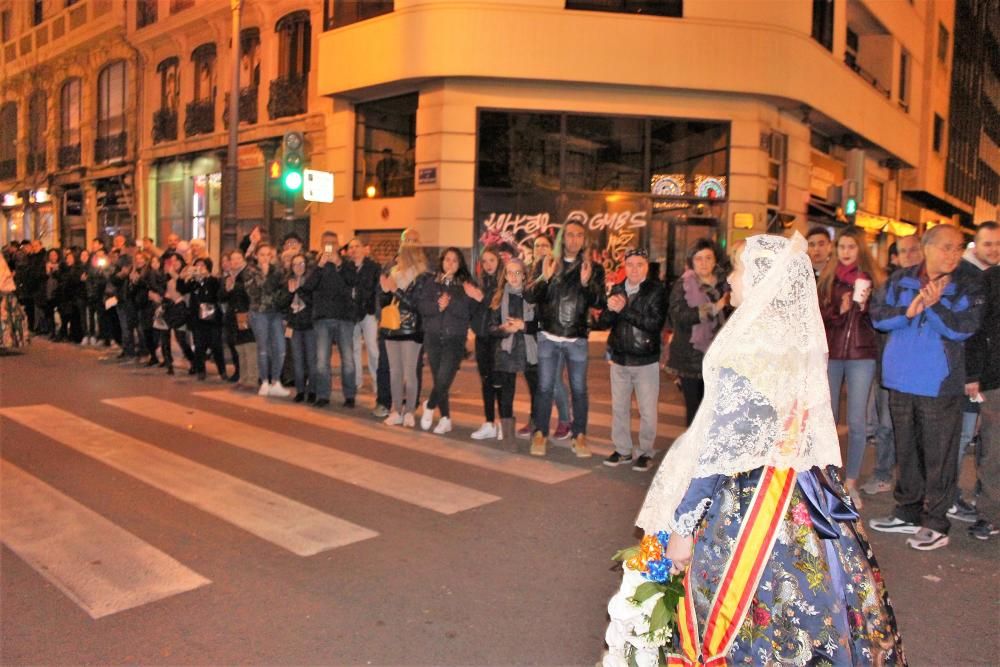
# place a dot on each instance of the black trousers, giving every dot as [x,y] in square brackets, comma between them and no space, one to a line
[445,357]
[507,386]
[485,350]
[167,348]
[208,337]
[693,390]
[926,431]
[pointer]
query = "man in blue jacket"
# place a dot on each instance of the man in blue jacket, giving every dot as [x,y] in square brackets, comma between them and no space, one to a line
[928,311]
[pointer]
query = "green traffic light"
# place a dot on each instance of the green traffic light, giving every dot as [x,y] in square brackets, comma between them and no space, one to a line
[293,181]
[851,207]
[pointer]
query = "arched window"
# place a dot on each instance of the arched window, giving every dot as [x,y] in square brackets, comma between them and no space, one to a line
[204,72]
[293,44]
[169,71]
[250,58]
[37,126]
[69,123]
[111,94]
[8,140]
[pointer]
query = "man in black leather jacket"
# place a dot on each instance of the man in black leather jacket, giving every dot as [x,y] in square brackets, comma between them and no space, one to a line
[636,313]
[565,291]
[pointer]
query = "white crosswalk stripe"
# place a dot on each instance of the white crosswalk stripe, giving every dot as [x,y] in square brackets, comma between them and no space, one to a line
[410,487]
[480,456]
[101,567]
[289,524]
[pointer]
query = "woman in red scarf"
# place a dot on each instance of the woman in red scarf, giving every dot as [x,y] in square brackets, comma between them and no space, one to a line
[845,287]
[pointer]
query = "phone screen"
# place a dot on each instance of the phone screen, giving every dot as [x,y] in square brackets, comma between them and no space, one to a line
[328,248]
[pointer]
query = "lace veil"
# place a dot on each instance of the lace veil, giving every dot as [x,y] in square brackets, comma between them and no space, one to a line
[767,396]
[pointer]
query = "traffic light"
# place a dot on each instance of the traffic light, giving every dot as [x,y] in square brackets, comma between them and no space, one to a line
[851,206]
[291,173]
[850,195]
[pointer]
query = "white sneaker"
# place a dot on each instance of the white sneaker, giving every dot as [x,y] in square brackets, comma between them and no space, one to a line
[444,426]
[265,389]
[277,390]
[487,431]
[408,420]
[427,418]
[394,419]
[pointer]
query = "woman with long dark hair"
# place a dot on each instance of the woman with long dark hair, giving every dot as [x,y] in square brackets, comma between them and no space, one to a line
[490,271]
[845,285]
[299,316]
[699,306]
[71,291]
[447,304]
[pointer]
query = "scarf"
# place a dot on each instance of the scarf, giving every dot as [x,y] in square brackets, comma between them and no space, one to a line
[848,273]
[528,314]
[697,293]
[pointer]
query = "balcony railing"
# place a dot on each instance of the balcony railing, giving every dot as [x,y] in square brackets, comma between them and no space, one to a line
[8,168]
[200,118]
[288,96]
[248,107]
[36,162]
[109,147]
[850,61]
[164,125]
[69,156]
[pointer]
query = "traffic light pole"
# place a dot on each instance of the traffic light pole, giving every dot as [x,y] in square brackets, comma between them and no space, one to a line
[231,173]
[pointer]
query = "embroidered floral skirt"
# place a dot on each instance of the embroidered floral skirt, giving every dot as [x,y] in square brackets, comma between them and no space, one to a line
[821,599]
[13,324]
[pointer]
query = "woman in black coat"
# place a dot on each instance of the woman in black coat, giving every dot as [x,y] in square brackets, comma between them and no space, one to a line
[204,314]
[490,269]
[70,292]
[236,325]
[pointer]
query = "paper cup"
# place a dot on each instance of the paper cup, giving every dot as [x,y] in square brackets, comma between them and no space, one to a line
[861,287]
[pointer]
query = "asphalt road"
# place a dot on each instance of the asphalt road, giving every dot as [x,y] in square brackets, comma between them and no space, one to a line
[156,520]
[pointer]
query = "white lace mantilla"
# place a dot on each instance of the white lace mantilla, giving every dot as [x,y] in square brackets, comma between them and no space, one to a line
[767,396]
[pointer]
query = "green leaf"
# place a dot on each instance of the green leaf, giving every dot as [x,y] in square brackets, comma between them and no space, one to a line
[625,554]
[645,591]
[658,618]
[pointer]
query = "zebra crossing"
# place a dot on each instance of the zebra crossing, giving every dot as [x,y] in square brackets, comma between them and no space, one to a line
[105,569]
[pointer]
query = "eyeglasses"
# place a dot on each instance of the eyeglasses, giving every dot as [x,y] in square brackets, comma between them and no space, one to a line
[515,273]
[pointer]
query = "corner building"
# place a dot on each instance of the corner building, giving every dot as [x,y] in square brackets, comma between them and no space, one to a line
[656,122]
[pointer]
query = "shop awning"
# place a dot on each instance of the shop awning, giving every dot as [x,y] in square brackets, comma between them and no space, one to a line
[881,223]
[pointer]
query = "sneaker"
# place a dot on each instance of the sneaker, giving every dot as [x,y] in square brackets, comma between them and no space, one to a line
[380,412]
[875,486]
[963,511]
[487,431]
[408,420]
[265,389]
[983,530]
[642,464]
[427,418]
[928,539]
[277,390]
[563,431]
[580,448]
[893,524]
[394,419]
[538,443]
[444,426]
[524,432]
[617,459]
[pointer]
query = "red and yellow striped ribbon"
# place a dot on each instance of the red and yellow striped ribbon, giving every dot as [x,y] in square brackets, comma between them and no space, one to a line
[742,575]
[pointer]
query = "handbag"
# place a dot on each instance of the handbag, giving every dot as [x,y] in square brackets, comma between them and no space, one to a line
[242,321]
[390,318]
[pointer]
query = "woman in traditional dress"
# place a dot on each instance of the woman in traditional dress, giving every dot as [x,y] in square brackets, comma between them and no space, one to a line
[778,569]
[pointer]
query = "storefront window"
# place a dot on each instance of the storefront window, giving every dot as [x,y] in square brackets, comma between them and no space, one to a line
[518,150]
[386,137]
[605,153]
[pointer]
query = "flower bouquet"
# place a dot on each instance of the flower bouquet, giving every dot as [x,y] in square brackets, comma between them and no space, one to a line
[644,610]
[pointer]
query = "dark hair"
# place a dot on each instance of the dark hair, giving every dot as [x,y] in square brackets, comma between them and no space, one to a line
[816,230]
[989,224]
[893,250]
[207,261]
[462,274]
[698,246]
[290,236]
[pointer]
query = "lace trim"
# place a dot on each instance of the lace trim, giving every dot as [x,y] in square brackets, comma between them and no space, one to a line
[686,523]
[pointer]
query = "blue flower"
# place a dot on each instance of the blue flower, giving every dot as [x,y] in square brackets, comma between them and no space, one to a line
[664,537]
[658,570]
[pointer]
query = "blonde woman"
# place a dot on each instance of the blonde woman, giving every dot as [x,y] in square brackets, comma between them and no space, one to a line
[403,344]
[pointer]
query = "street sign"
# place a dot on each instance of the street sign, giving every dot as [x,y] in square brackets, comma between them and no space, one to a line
[318,186]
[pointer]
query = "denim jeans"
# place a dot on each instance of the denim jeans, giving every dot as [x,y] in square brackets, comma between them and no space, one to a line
[858,373]
[304,360]
[329,332]
[885,447]
[269,332]
[445,357]
[366,331]
[550,354]
[645,382]
[561,394]
[126,317]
